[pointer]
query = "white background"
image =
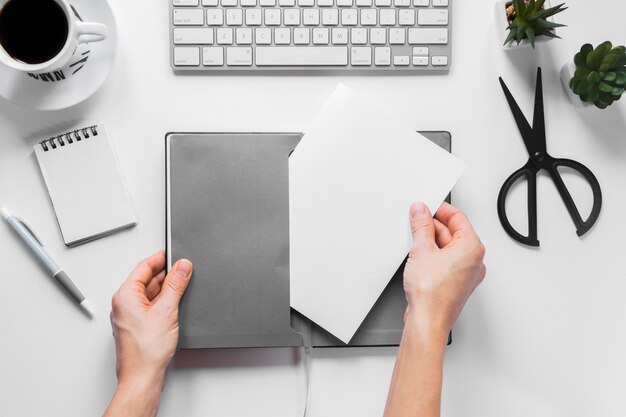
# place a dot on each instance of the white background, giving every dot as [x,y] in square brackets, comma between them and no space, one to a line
[543,336]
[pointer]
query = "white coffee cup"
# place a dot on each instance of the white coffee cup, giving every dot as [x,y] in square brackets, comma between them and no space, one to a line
[77,32]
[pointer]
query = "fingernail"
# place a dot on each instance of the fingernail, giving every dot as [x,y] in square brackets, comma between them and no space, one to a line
[183,268]
[418,210]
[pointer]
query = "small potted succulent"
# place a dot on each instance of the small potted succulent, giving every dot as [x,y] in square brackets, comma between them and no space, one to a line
[596,76]
[527,22]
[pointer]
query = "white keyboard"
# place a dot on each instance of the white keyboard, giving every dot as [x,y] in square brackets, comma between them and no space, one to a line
[387,35]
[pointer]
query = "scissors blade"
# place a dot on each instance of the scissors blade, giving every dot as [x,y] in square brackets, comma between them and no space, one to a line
[522,124]
[539,123]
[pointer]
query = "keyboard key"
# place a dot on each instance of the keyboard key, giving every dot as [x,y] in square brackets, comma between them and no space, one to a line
[349,17]
[406,17]
[186,56]
[301,36]
[368,17]
[330,17]
[325,3]
[432,17]
[243,36]
[401,60]
[228,3]
[311,17]
[397,36]
[420,51]
[238,56]
[387,17]
[439,61]
[421,3]
[364,3]
[420,61]
[213,56]
[358,36]
[382,56]
[383,3]
[434,36]
[224,36]
[282,36]
[267,3]
[286,3]
[272,17]
[378,36]
[248,3]
[320,36]
[340,36]
[188,17]
[263,36]
[253,17]
[361,55]
[214,17]
[184,36]
[301,56]
[402,3]
[440,3]
[210,3]
[306,3]
[291,17]
[344,3]
[234,17]
[185,3]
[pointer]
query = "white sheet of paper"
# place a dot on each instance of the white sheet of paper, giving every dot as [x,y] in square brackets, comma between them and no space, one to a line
[352,179]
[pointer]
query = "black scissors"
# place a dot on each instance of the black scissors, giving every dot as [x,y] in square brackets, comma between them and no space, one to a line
[535,141]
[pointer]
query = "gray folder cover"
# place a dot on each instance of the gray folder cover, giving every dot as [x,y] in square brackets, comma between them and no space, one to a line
[228,212]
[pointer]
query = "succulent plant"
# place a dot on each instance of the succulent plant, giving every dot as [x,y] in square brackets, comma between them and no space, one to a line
[600,76]
[531,21]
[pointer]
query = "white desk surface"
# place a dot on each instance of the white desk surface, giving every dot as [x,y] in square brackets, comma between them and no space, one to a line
[543,336]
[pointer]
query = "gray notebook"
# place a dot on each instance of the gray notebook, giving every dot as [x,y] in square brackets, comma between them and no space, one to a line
[227,210]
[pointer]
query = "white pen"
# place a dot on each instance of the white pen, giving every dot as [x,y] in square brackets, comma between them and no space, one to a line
[33,243]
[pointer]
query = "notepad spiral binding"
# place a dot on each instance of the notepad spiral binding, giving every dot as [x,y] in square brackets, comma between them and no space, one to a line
[69,137]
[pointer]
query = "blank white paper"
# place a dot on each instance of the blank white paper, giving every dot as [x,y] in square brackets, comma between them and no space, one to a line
[352,179]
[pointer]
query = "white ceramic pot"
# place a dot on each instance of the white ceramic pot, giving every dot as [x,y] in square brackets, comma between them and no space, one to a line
[567,72]
[502,24]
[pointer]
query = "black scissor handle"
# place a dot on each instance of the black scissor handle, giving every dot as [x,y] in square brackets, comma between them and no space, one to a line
[582,226]
[528,171]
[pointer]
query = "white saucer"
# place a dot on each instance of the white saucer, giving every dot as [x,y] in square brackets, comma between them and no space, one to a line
[86,72]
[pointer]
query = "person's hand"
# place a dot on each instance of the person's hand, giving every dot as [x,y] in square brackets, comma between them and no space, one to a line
[144,318]
[444,267]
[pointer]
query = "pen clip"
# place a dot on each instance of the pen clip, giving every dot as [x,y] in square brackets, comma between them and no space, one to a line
[29,230]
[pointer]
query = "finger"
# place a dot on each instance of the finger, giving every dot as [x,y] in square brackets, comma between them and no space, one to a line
[154,287]
[443,237]
[148,268]
[422,225]
[454,219]
[175,284]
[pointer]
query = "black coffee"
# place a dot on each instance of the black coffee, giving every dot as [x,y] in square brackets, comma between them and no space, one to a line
[33,31]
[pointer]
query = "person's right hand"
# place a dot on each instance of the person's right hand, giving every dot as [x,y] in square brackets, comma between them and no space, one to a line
[444,267]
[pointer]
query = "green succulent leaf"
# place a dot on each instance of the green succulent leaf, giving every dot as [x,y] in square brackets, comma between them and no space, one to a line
[604,87]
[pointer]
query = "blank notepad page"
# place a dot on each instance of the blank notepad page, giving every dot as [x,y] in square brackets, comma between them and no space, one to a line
[85,184]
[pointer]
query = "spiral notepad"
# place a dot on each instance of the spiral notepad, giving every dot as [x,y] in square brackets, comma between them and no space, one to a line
[86,187]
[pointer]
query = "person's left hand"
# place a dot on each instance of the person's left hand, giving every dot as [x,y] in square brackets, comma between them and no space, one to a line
[144,318]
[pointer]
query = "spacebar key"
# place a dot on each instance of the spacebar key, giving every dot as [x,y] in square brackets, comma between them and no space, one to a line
[301,56]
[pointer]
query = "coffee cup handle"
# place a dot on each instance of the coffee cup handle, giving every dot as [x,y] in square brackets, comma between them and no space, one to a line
[91,32]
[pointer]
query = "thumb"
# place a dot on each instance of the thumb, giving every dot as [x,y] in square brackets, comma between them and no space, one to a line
[422,225]
[176,283]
